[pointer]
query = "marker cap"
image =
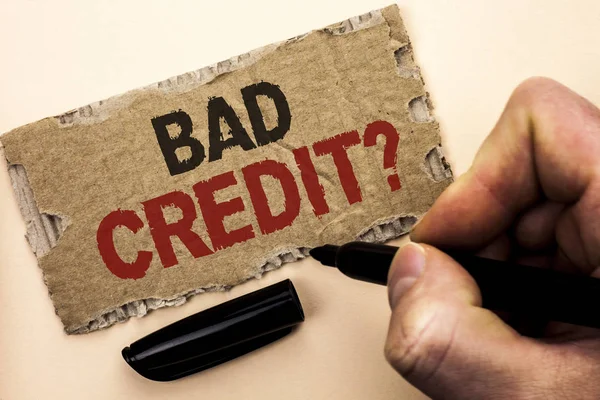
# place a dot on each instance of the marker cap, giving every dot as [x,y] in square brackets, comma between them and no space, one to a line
[217,335]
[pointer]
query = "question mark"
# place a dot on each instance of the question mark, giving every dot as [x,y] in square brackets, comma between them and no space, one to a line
[390,149]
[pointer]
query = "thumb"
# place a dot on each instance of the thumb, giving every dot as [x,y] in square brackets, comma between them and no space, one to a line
[442,341]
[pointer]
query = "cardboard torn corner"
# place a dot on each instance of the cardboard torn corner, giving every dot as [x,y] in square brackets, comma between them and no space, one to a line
[43,230]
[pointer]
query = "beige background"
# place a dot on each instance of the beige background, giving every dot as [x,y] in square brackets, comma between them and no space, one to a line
[58,55]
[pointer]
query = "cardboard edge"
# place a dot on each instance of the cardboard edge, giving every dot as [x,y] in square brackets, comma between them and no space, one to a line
[380,232]
[101,110]
[44,230]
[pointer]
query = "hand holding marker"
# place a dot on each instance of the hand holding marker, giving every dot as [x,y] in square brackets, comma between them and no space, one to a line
[504,286]
[442,338]
[532,195]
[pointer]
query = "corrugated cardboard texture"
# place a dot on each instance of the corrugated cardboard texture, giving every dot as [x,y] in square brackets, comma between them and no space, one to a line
[91,181]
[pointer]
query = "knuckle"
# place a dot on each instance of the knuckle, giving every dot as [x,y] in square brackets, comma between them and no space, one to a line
[534,84]
[533,90]
[419,346]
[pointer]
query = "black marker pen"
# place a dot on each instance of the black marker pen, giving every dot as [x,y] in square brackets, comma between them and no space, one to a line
[504,286]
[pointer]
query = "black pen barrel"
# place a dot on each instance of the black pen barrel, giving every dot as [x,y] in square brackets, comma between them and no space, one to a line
[366,261]
[504,286]
[540,292]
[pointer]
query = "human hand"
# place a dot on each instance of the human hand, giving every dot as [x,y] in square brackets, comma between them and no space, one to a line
[531,195]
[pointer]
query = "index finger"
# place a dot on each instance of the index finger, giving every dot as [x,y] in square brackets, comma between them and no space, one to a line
[546,144]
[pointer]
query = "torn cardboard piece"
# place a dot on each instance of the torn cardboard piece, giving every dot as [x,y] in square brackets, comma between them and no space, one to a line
[211,178]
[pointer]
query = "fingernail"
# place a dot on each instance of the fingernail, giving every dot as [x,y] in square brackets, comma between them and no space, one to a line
[406,269]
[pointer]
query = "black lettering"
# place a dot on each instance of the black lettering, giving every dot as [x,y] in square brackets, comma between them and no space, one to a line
[284,118]
[169,145]
[217,109]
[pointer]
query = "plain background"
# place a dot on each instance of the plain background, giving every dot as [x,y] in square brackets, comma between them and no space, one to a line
[55,56]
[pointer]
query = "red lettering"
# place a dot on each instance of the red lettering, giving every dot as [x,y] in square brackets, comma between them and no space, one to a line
[336,146]
[390,149]
[214,213]
[108,252]
[162,231]
[310,179]
[268,222]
